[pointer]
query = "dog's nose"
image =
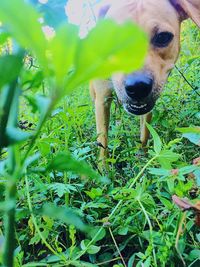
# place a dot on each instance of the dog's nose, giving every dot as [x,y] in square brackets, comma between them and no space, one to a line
[138,86]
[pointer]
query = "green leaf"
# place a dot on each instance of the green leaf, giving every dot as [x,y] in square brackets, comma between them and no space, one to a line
[198,237]
[65,162]
[15,135]
[168,204]
[107,256]
[197,175]
[131,261]
[93,205]
[171,185]
[147,263]
[92,249]
[43,104]
[141,255]
[2,168]
[123,231]
[82,264]
[64,215]
[194,254]
[7,205]
[101,234]
[4,37]
[192,59]
[197,115]
[193,138]
[10,67]
[26,29]
[61,189]
[156,139]
[192,134]
[63,48]
[99,54]
[33,264]
[167,157]
[8,111]
[94,193]
[37,79]
[159,171]
[189,130]
[187,169]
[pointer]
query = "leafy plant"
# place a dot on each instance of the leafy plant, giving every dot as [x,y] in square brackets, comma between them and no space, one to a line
[66,214]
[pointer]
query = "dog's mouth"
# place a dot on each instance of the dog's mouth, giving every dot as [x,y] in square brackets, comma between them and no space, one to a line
[139,108]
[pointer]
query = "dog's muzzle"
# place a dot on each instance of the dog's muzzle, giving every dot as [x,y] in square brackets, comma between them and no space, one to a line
[139,89]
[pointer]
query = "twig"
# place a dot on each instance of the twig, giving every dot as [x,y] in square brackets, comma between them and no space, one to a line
[186,80]
[118,250]
[105,262]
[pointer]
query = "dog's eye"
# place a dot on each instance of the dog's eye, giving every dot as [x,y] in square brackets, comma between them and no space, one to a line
[162,39]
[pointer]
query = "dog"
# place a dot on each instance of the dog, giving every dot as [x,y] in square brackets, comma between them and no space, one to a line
[138,91]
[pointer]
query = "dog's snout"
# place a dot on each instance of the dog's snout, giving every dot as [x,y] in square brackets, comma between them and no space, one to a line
[138,86]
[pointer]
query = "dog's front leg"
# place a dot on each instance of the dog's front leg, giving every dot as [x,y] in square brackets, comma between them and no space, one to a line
[144,132]
[102,96]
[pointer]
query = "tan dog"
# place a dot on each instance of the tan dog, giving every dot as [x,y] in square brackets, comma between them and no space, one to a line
[138,91]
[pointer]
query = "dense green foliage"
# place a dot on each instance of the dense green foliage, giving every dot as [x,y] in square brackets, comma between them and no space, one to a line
[66,213]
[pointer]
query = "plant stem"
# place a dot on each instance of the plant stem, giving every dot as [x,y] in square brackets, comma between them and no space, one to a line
[9,220]
[7,96]
[10,202]
[109,261]
[118,250]
[10,99]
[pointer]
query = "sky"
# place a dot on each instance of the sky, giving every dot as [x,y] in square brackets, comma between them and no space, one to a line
[83,13]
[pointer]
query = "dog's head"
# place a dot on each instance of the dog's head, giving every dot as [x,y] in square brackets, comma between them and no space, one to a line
[160,19]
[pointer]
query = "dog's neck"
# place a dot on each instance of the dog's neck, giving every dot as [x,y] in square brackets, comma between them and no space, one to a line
[179,9]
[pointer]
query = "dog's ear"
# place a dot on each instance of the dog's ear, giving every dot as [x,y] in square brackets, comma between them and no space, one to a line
[188,9]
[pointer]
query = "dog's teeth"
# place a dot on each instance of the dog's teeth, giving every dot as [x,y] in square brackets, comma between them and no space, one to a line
[138,107]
